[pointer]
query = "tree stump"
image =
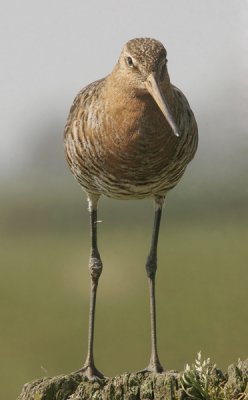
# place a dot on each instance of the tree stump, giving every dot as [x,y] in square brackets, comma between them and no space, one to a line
[170,385]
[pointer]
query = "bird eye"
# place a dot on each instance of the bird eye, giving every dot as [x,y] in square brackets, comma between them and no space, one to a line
[129,61]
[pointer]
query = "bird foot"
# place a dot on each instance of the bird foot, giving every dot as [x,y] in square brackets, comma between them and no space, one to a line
[153,367]
[91,372]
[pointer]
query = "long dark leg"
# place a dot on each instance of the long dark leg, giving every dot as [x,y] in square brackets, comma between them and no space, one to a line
[151,267]
[95,266]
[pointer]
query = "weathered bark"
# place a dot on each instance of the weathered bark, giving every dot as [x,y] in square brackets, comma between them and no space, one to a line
[139,386]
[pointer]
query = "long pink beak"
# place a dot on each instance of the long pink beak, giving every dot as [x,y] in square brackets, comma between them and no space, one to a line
[154,89]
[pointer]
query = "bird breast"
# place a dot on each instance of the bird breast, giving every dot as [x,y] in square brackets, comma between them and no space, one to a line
[125,148]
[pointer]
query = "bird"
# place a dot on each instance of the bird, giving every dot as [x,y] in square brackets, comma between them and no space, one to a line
[130,135]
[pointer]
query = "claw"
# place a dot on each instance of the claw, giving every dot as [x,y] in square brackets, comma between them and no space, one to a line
[153,368]
[91,373]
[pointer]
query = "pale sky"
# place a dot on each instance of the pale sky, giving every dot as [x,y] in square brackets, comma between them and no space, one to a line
[51,49]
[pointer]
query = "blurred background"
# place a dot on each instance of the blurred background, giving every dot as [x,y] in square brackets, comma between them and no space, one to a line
[49,51]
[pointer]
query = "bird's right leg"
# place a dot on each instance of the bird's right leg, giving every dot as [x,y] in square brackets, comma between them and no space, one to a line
[95,266]
[151,268]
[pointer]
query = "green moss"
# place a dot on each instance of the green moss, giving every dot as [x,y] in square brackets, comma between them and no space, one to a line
[201,381]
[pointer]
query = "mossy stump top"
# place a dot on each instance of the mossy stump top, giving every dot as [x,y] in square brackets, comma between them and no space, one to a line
[143,386]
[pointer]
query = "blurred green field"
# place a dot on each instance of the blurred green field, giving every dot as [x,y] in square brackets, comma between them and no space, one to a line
[201,291]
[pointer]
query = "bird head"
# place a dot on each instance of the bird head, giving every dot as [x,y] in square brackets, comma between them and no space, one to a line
[143,65]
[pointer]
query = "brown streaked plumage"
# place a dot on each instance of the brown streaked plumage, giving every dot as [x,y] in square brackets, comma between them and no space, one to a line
[130,136]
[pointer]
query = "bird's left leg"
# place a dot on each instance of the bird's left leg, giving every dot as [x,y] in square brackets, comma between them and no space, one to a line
[151,267]
[95,266]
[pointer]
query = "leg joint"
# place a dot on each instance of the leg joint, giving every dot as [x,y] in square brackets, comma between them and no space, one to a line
[151,265]
[95,267]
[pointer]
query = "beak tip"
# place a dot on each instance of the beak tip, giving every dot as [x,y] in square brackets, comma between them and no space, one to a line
[177,133]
